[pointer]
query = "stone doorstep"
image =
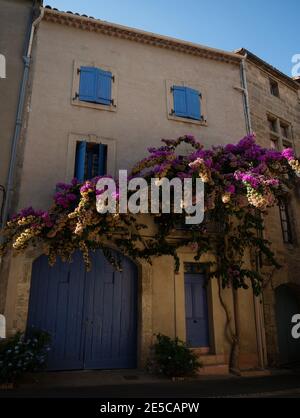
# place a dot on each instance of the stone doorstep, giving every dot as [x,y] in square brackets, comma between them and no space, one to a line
[214,370]
[211,359]
[213,364]
[255,373]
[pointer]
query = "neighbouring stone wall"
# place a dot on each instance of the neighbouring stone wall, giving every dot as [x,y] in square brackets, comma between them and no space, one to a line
[286,108]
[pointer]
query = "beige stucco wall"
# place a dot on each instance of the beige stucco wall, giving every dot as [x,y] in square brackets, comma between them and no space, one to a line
[141,116]
[287,108]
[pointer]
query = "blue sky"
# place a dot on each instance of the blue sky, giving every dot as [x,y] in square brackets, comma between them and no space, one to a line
[268,28]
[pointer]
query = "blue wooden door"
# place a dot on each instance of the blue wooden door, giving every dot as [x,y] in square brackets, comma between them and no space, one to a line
[91,317]
[197,332]
[110,311]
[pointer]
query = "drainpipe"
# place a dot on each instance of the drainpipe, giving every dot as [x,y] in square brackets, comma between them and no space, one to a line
[18,125]
[246,95]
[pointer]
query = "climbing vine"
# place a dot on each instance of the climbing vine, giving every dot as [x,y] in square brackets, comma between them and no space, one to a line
[242,181]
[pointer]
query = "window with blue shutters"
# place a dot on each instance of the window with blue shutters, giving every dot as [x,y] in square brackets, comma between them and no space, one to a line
[187,102]
[91,160]
[95,86]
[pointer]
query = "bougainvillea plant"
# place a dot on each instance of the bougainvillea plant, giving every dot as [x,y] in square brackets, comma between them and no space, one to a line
[241,182]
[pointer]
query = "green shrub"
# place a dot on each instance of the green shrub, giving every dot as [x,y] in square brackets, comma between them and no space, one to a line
[173,358]
[23,353]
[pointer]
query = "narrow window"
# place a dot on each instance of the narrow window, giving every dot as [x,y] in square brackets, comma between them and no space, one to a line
[285,222]
[90,161]
[274,143]
[274,88]
[284,130]
[272,124]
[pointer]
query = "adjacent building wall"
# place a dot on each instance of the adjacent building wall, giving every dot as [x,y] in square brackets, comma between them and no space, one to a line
[14,25]
[287,108]
[15,19]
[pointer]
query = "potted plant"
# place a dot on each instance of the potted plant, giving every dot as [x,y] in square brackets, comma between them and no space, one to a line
[172,358]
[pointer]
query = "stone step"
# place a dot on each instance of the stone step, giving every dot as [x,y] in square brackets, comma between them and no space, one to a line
[255,373]
[210,359]
[212,364]
[214,370]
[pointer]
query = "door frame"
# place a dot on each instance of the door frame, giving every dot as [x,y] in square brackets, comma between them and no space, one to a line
[215,336]
[206,348]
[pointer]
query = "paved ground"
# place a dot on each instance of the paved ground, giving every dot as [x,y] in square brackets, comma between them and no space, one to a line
[138,386]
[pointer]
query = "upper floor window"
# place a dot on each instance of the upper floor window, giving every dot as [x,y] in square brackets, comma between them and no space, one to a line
[274,88]
[90,161]
[280,133]
[285,222]
[272,124]
[95,85]
[285,130]
[187,103]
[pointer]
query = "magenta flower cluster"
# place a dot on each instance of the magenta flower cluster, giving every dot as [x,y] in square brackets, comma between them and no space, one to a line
[232,173]
[244,168]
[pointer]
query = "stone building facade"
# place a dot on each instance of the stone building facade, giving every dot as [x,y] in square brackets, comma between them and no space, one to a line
[143,69]
[274,100]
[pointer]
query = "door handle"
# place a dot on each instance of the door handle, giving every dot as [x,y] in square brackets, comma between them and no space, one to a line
[195,322]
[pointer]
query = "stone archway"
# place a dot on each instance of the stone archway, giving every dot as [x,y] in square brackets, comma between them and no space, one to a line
[18,291]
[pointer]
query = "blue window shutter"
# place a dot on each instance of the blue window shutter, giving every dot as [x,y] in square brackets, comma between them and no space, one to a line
[80,161]
[88,84]
[104,87]
[180,102]
[193,103]
[102,160]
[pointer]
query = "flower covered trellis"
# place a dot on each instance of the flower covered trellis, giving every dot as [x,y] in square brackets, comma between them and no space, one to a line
[241,182]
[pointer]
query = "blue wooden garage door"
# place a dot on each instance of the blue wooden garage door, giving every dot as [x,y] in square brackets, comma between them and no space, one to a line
[91,316]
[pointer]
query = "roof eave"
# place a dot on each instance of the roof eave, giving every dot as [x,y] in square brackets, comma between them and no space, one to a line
[268,68]
[112,29]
